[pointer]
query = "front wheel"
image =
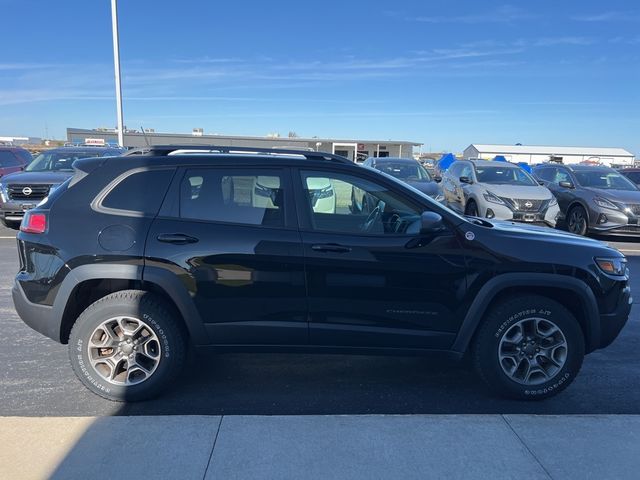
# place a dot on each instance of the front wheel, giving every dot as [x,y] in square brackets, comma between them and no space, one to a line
[529,348]
[127,346]
[577,221]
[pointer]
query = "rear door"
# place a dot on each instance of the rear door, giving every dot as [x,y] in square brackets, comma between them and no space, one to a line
[230,235]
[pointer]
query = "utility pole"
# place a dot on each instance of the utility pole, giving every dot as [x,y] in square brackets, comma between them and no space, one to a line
[116,65]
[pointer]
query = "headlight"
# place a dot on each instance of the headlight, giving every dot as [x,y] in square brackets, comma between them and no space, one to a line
[553,202]
[612,266]
[604,203]
[490,197]
[3,193]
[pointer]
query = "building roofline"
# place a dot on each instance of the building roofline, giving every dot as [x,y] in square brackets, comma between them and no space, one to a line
[243,137]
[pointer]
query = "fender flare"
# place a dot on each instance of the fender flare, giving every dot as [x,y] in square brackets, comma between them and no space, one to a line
[493,287]
[166,281]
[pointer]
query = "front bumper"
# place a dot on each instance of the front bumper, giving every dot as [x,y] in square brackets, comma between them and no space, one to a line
[613,222]
[13,211]
[38,317]
[546,217]
[612,323]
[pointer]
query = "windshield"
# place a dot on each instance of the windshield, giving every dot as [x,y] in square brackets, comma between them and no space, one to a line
[504,176]
[405,171]
[606,180]
[57,161]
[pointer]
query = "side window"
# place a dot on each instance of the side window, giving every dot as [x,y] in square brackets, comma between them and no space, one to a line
[561,176]
[466,171]
[8,159]
[546,174]
[243,196]
[140,192]
[343,203]
[454,170]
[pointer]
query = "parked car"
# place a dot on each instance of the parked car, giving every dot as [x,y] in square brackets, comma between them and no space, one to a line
[632,174]
[593,198]
[409,171]
[498,190]
[13,159]
[23,190]
[430,165]
[131,277]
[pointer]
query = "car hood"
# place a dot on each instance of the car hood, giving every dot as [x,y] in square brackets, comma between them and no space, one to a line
[430,188]
[36,177]
[620,196]
[534,192]
[546,234]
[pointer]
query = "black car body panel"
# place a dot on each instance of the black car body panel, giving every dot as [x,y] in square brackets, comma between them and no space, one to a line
[283,284]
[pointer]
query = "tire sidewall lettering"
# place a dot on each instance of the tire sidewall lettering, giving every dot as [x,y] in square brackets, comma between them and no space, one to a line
[521,315]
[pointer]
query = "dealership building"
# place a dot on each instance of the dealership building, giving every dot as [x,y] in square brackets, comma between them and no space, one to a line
[346,147]
[533,154]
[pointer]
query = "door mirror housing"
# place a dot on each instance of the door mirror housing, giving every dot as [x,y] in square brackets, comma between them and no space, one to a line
[466,180]
[431,222]
[566,185]
[541,182]
[437,178]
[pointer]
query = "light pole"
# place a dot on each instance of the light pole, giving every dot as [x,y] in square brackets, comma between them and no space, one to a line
[116,65]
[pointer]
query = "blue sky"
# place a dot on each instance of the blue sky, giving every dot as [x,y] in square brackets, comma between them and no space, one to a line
[446,73]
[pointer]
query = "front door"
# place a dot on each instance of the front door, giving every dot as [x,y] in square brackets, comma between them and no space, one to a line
[372,280]
[233,241]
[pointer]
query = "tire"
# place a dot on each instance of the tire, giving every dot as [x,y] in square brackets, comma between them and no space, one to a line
[503,368]
[471,209]
[577,220]
[11,224]
[138,316]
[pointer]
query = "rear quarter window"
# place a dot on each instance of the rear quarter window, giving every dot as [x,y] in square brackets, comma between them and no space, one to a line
[140,192]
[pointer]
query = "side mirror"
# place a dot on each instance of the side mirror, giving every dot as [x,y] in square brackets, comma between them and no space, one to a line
[437,178]
[566,184]
[466,180]
[540,182]
[431,222]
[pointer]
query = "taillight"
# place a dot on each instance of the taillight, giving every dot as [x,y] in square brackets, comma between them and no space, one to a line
[34,223]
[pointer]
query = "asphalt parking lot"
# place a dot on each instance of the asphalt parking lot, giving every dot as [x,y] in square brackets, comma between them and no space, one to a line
[36,379]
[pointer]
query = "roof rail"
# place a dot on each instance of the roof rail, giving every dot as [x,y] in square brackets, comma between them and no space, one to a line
[165,150]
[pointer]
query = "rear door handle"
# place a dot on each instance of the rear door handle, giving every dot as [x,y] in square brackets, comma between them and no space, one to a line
[176,238]
[330,247]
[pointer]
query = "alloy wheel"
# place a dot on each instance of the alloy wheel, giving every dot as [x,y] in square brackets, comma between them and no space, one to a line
[577,221]
[124,350]
[532,351]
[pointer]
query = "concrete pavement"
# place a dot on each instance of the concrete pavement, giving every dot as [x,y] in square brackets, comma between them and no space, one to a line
[321,447]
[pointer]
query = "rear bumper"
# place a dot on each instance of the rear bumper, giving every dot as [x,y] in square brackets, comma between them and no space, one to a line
[612,323]
[38,317]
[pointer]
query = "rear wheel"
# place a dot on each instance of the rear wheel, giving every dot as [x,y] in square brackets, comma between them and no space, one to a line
[127,346]
[529,347]
[577,221]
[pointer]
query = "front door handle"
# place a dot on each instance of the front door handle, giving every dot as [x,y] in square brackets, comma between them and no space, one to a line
[176,238]
[330,247]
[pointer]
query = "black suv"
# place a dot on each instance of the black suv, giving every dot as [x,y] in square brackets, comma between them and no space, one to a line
[23,190]
[134,260]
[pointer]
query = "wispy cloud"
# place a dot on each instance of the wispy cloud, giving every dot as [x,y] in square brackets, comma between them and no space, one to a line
[609,16]
[502,14]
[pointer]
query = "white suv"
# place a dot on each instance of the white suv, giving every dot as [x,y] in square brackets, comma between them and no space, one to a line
[498,190]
